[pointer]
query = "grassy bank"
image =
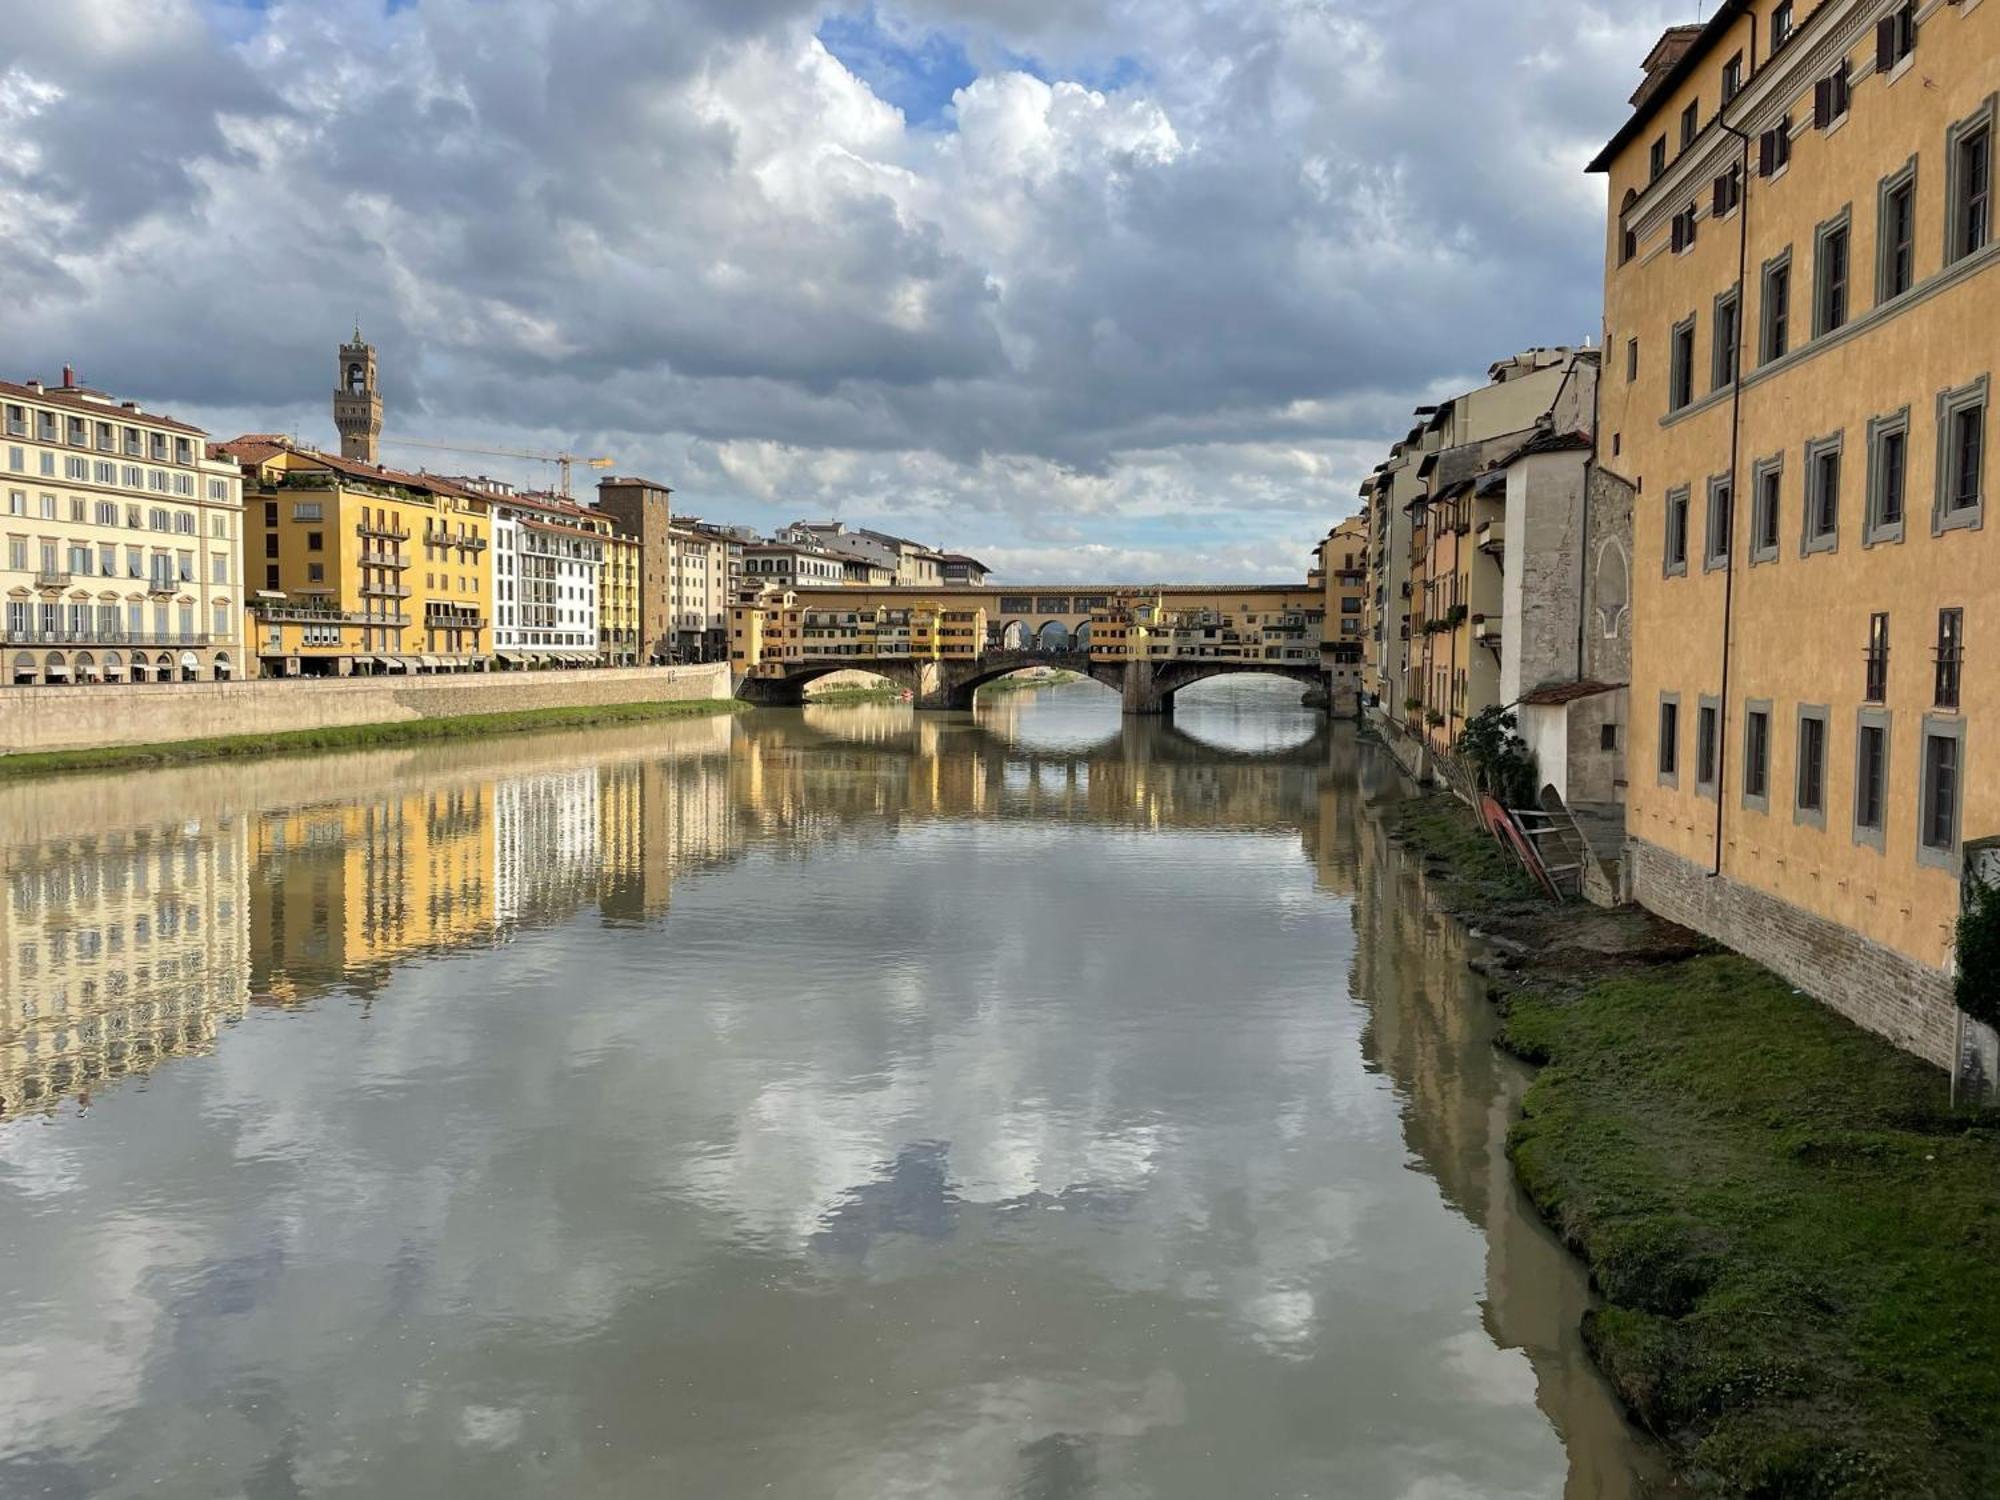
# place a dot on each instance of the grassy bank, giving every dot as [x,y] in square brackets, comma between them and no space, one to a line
[1796,1239]
[353,737]
[884,694]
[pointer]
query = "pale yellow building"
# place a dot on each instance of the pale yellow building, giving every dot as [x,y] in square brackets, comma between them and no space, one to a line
[354,568]
[618,604]
[1801,333]
[123,538]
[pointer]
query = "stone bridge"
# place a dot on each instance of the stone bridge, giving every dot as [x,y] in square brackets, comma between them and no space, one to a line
[949,683]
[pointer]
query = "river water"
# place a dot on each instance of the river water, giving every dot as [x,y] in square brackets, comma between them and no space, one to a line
[836,1103]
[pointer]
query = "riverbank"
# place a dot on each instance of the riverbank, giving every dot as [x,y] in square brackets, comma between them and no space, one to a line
[1796,1238]
[887,693]
[1000,686]
[355,737]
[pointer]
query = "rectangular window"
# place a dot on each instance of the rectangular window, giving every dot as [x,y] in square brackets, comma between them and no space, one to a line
[1950,656]
[1822,519]
[1961,463]
[1781,24]
[1875,680]
[1670,741]
[1896,236]
[1757,756]
[1676,550]
[1732,78]
[1775,324]
[1943,769]
[1631,360]
[1888,477]
[1728,322]
[1656,159]
[1690,123]
[1774,148]
[1969,193]
[1809,792]
[1728,193]
[1682,235]
[1871,777]
[1830,274]
[1832,95]
[1895,36]
[1707,743]
[1769,482]
[1721,521]
[1682,393]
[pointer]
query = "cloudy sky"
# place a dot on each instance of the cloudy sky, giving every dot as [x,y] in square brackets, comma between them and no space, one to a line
[1132,288]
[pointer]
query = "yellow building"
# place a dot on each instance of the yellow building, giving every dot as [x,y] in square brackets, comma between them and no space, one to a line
[1455,605]
[1251,624]
[122,543]
[618,600]
[355,568]
[1801,331]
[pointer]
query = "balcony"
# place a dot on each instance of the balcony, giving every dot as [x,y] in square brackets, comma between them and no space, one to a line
[117,636]
[1486,631]
[166,588]
[1492,536]
[381,531]
[386,590]
[49,578]
[384,560]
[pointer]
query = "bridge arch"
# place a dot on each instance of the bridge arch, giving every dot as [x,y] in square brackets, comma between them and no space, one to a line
[1053,636]
[1014,636]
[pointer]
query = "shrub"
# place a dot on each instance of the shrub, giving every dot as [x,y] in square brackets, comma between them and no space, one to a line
[1977,989]
[1500,758]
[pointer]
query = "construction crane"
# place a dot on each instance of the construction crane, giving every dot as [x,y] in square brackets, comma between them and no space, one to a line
[562,461]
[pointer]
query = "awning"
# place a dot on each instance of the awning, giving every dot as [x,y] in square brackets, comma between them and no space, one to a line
[430,663]
[512,658]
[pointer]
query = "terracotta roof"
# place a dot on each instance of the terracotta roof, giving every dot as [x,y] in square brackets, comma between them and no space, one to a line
[1659,86]
[75,399]
[1552,694]
[257,448]
[1549,442]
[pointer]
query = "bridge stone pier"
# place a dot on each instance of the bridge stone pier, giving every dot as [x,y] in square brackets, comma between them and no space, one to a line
[1147,688]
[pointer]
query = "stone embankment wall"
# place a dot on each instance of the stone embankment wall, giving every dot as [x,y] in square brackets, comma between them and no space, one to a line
[86,717]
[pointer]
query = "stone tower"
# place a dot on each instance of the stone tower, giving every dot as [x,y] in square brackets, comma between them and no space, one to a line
[357,405]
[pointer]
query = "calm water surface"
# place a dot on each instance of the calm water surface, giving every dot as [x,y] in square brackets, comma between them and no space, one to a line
[835,1103]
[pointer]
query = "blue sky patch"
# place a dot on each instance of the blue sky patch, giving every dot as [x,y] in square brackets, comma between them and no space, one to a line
[918,79]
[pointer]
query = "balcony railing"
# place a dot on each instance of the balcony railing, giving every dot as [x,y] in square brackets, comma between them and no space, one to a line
[1492,536]
[382,531]
[167,586]
[118,637]
[384,560]
[49,578]
[387,590]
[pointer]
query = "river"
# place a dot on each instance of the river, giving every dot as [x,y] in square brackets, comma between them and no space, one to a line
[828,1103]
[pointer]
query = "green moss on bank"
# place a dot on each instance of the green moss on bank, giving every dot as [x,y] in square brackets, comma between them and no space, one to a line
[1796,1238]
[354,737]
[1024,684]
[843,695]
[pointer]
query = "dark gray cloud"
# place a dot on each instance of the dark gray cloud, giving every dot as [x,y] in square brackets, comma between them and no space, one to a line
[684,233]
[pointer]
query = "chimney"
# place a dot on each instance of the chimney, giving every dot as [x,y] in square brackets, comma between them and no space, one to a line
[69,377]
[1669,50]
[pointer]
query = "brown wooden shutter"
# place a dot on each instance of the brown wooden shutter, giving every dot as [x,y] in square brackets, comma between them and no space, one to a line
[1767,153]
[1822,103]
[1885,44]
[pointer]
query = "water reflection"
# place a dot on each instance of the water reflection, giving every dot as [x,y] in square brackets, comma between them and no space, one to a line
[833,1103]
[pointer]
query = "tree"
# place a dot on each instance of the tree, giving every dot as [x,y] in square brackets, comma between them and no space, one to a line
[1501,760]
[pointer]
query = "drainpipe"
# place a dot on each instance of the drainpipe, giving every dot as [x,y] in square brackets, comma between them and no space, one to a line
[1735,490]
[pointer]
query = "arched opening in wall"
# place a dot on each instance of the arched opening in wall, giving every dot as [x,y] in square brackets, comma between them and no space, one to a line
[1248,711]
[850,685]
[114,667]
[55,667]
[1081,640]
[142,670]
[190,667]
[1053,636]
[86,667]
[223,670]
[1014,636]
[26,669]
[163,668]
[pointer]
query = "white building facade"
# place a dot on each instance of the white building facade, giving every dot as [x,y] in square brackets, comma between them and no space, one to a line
[548,568]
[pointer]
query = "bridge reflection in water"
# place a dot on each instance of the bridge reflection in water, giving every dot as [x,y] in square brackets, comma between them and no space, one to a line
[198,911]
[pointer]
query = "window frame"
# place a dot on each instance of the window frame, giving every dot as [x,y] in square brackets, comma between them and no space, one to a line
[1960,132]
[1817,450]
[1727,315]
[1691,122]
[1949,651]
[1774,331]
[1667,746]
[1757,715]
[1708,732]
[1949,856]
[1679,502]
[1802,815]
[1763,472]
[1680,365]
[1873,718]
[1875,529]
[1900,183]
[1875,659]
[1840,227]
[1952,406]
[1721,494]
